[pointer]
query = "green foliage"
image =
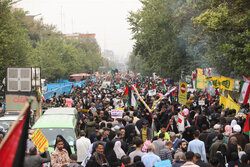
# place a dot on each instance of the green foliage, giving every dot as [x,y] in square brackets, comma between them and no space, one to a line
[14,42]
[27,42]
[180,35]
[225,29]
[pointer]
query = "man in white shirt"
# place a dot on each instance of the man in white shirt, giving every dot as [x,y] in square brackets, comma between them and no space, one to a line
[197,146]
[82,147]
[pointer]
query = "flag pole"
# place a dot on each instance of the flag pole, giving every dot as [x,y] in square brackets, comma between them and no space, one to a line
[27,105]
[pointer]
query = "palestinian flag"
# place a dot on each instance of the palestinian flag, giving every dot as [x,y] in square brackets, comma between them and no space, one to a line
[153,86]
[126,91]
[12,148]
[112,73]
[164,85]
[142,78]
[131,98]
[246,128]
[73,90]
[137,86]
[244,95]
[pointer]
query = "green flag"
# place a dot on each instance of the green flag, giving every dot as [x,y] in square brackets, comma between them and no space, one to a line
[112,73]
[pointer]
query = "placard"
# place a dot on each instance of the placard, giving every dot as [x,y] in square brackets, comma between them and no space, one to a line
[183,93]
[116,113]
[39,140]
[69,102]
[201,102]
[152,92]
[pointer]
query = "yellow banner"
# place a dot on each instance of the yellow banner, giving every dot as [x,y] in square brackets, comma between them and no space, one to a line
[216,82]
[223,100]
[232,105]
[183,93]
[226,83]
[229,102]
[39,140]
[201,81]
[199,71]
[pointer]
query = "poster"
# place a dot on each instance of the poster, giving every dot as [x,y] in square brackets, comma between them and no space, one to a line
[152,92]
[39,140]
[116,113]
[183,93]
[201,81]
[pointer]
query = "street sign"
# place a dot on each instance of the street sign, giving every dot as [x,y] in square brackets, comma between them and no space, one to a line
[183,93]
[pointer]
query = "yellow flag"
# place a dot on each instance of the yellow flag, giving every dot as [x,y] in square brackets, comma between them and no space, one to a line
[201,81]
[199,71]
[230,103]
[216,82]
[226,83]
[223,101]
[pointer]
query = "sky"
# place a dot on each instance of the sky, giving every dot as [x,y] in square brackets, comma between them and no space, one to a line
[105,18]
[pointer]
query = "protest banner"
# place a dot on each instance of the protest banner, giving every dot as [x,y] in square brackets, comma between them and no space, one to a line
[183,93]
[152,92]
[201,102]
[69,102]
[39,140]
[116,113]
[201,81]
[17,102]
[227,83]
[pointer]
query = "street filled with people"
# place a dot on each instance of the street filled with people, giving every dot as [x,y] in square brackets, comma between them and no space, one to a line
[169,134]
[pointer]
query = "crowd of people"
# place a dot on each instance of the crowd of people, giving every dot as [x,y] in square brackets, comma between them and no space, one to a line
[212,135]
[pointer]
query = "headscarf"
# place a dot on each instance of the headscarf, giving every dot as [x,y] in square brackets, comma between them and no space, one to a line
[65,143]
[233,123]
[237,128]
[118,150]
[228,130]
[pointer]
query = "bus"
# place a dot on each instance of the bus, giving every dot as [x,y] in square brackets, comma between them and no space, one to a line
[79,77]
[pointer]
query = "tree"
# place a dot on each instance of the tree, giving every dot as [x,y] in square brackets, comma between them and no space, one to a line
[14,42]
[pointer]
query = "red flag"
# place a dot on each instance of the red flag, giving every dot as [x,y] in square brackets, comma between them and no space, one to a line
[89,92]
[217,92]
[246,128]
[208,97]
[43,99]
[153,86]
[12,148]
[92,83]
[137,86]
[125,92]
[163,82]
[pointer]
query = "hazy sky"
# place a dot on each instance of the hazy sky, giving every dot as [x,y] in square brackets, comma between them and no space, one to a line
[105,18]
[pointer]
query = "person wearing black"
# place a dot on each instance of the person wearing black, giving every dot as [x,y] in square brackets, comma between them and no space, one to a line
[98,158]
[65,143]
[110,155]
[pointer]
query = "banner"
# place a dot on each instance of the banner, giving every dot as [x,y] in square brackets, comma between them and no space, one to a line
[183,93]
[229,102]
[39,140]
[201,81]
[226,83]
[116,113]
[223,101]
[152,92]
[199,71]
[17,102]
